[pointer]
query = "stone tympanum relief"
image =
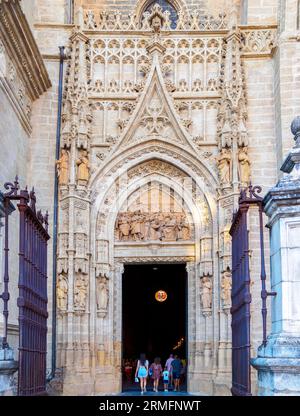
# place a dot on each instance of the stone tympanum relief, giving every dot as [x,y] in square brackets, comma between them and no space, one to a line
[152,226]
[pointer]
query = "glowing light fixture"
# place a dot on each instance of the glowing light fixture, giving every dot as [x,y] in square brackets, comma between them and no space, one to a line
[161,296]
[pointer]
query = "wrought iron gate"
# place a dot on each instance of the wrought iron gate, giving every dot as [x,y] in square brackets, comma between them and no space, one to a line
[241,294]
[32,300]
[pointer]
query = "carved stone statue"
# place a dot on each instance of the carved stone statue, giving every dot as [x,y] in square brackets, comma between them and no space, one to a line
[155,233]
[80,292]
[226,285]
[83,170]
[184,228]
[141,226]
[206,292]
[62,293]
[137,226]
[244,166]
[123,226]
[63,168]
[224,165]
[102,293]
[170,229]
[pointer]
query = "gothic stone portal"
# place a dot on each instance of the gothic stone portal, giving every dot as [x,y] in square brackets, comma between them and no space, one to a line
[150,166]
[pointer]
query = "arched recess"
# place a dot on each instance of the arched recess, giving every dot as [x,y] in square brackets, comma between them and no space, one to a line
[144,5]
[117,167]
[105,184]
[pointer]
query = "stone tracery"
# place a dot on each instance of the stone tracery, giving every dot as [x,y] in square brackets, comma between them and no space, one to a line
[173,119]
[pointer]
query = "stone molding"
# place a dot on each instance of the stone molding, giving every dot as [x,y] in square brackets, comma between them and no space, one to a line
[154,259]
[22,46]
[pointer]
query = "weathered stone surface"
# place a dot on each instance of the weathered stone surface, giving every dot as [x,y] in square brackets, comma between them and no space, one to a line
[154,117]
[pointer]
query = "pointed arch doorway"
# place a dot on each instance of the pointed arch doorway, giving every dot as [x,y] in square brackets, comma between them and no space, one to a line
[154,317]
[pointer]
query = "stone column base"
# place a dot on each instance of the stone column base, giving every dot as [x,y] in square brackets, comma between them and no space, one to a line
[8,367]
[278,366]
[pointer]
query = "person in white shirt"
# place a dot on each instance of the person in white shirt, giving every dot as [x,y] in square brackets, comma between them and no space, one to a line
[169,368]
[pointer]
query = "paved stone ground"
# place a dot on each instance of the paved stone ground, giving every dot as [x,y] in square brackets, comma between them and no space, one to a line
[154,394]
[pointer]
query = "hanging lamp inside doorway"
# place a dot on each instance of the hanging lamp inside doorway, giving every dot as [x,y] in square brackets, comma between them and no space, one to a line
[161,296]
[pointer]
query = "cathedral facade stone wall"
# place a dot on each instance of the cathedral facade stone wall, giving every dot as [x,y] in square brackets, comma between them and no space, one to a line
[161,127]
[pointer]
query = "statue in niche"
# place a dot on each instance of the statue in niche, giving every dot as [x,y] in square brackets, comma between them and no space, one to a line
[226,285]
[206,292]
[102,293]
[244,166]
[80,292]
[83,170]
[63,168]
[224,165]
[62,293]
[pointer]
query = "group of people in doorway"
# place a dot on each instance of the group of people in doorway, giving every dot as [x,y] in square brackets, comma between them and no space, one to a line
[170,374]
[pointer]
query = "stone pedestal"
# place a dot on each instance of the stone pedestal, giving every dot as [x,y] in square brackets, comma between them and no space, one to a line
[278,362]
[8,367]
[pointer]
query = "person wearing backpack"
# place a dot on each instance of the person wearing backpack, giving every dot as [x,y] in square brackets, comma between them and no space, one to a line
[141,372]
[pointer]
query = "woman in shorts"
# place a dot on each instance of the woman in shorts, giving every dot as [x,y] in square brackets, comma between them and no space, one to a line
[142,371]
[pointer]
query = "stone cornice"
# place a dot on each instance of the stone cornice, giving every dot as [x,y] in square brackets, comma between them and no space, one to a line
[22,48]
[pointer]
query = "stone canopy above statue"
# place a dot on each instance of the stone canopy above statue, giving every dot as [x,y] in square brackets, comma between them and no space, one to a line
[152,226]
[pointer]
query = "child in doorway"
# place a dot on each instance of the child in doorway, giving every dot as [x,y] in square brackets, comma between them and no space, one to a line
[166,378]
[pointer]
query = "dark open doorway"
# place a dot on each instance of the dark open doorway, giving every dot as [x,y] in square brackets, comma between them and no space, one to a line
[155,328]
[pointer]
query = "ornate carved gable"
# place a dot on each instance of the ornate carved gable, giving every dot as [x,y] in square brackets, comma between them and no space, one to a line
[155,116]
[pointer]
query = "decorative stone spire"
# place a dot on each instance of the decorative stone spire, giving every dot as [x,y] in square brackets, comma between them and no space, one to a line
[291,164]
[156,21]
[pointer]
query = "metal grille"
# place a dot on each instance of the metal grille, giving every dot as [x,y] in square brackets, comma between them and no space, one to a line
[32,300]
[241,296]
[240,310]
